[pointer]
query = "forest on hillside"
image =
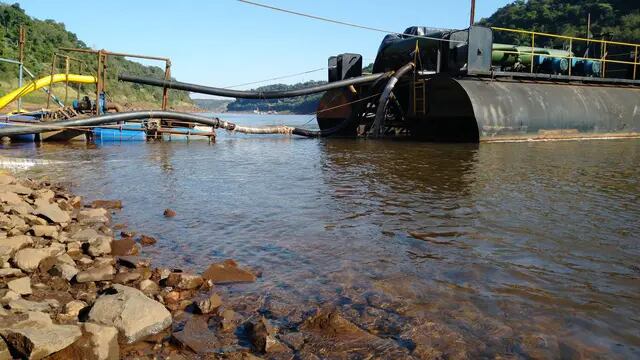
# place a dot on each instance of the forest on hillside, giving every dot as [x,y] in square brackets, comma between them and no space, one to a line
[45,37]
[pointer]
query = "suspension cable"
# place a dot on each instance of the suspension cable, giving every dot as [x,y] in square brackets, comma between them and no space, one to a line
[344,22]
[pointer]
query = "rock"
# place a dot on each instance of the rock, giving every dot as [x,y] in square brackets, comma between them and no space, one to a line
[10,272]
[131,312]
[32,219]
[124,247]
[184,281]
[229,319]
[107,204]
[333,324]
[85,235]
[4,350]
[23,306]
[45,230]
[169,213]
[146,240]
[29,259]
[20,286]
[72,309]
[8,296]
[97,273]
[126,277]
[45,194]
[263,337]
[100,245]
[197,336]
[98,343]
[148,287]
[10,198]
[93,216]
[227,272]
[209,304]
[51,211]
[36,339]
[64,270]
[6,179]
[18,189]
[23,209]
[172,298]
[133,262]
[16,242]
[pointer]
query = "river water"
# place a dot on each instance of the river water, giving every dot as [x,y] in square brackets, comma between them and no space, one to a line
[513,249]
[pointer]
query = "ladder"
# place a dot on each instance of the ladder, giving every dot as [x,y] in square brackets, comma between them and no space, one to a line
[419,97]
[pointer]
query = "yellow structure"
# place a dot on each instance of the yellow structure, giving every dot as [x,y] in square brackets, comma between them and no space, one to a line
[42,82]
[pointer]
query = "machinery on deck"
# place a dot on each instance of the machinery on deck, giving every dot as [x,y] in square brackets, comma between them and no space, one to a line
[465,87]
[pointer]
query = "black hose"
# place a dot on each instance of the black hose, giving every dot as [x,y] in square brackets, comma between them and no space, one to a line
[177,85]
[378,122]
[142,115]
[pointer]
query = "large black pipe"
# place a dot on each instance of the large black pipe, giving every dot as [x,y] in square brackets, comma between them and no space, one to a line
[378,123]
[177,85]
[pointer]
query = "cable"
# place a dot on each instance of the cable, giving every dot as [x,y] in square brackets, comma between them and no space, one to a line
[276,78]
[344,23]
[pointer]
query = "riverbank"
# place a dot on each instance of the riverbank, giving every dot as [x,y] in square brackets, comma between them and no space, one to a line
[75,286]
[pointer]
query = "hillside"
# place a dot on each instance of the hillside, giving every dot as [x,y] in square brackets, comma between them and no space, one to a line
[44,37]
[619,18]
[297,105]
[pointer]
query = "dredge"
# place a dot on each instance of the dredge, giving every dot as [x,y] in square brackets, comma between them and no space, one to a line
[457,85]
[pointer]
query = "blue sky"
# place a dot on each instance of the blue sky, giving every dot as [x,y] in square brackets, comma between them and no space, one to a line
[225,42]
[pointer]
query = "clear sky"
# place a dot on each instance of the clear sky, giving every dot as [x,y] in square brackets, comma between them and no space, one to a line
[225,42]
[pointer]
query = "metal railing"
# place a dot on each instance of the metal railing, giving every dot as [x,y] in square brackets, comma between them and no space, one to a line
[604,59]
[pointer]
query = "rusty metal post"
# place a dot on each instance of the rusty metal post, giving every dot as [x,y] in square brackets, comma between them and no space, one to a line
[53,64]
[473,13]
[66,80]
[165,90]
[98,82]
[533,45]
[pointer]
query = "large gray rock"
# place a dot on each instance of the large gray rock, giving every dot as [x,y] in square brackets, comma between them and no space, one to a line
[37,337]
[131,312]
[51,211]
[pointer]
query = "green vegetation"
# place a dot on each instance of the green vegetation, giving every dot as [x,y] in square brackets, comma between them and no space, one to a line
[44,37]
[620,19]
[212,105]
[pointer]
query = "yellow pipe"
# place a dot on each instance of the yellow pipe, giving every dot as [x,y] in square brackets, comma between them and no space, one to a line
[42,82]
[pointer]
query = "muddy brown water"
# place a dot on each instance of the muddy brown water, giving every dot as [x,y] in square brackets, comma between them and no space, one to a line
[512,249]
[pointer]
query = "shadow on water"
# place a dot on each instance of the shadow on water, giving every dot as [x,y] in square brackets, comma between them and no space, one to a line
[451,250]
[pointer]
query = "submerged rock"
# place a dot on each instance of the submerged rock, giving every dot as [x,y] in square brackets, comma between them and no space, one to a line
[107,204]
[124,247]
[197,336]
[131,312]
[227,272]
[146,240]
[169,213]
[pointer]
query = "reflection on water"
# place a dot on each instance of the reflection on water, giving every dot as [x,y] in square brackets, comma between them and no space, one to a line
[525,249]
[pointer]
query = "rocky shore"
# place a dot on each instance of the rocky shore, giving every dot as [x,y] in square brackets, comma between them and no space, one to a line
[74,286]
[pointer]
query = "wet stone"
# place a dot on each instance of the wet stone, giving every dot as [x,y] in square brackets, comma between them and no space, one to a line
[107,204]
[169,213]
[209,304]
[124,247]
[197,336]
[146,240]
[228,272]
